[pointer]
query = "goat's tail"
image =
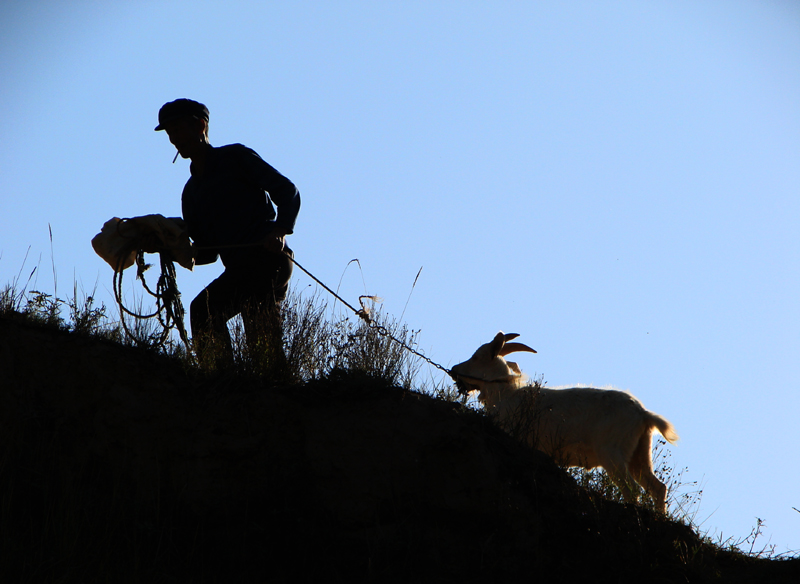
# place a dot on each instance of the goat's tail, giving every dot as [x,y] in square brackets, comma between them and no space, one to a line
[663,425]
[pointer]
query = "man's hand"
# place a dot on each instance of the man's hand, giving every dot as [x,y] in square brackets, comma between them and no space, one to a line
[275,241]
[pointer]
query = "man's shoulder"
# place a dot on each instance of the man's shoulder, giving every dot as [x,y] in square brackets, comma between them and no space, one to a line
[238,155]
[234,150]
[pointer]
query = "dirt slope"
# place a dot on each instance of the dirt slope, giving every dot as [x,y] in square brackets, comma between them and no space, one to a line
[117,465]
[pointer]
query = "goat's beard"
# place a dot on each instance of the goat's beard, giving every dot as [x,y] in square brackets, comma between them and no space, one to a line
[464,387]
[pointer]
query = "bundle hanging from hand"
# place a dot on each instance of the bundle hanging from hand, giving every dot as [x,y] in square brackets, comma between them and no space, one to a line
[123,242]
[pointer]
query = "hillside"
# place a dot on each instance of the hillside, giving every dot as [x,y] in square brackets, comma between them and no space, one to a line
[119,465]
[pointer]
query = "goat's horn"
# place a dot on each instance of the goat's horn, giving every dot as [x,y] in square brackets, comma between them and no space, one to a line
[510,336]
[514,347]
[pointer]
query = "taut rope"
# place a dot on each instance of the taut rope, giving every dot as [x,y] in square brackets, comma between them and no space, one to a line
[380,329]
[362,313]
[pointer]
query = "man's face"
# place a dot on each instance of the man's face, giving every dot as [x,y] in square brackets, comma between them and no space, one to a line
[187,134]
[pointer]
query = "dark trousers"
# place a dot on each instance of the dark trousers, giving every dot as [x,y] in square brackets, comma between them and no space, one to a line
[254,284]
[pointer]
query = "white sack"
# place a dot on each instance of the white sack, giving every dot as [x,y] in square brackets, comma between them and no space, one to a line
[120,239]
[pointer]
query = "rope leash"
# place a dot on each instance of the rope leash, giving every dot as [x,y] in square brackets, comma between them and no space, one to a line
[168,299]
[364,315]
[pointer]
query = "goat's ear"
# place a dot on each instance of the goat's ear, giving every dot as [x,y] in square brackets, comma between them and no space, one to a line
[513,348]
[496,346]
[510,336]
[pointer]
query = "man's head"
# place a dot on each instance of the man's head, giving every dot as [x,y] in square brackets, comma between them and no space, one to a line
[180,108]
[186,124]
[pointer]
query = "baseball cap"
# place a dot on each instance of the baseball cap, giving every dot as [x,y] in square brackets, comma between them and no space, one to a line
[180,108]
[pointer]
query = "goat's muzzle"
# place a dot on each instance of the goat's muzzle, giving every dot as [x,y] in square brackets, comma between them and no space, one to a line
[466,384]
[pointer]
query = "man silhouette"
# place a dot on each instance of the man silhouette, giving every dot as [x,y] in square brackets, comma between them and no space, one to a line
[229,206]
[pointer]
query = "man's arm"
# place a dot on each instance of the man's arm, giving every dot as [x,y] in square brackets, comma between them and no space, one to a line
[281,191]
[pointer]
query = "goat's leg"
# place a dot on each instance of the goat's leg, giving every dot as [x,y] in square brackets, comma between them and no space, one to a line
[655,488]
[641,467]
[619,474]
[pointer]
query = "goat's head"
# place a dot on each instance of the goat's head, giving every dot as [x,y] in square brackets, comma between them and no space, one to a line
[487,365]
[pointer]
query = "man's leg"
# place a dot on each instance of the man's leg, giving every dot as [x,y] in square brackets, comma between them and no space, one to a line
[262,317]
[209,314]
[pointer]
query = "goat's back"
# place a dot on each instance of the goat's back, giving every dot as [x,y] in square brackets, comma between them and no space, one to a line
[587,424]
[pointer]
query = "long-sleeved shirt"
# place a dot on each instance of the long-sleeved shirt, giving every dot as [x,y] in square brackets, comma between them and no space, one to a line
[231,203]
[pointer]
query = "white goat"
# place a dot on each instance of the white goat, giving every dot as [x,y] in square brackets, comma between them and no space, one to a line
[580,426]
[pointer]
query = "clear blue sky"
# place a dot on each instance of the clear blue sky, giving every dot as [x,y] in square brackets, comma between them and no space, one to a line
[616,181]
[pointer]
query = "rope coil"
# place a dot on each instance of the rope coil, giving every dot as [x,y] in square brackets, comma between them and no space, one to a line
[169,308]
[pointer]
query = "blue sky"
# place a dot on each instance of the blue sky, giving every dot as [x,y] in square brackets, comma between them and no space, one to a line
[616,181]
